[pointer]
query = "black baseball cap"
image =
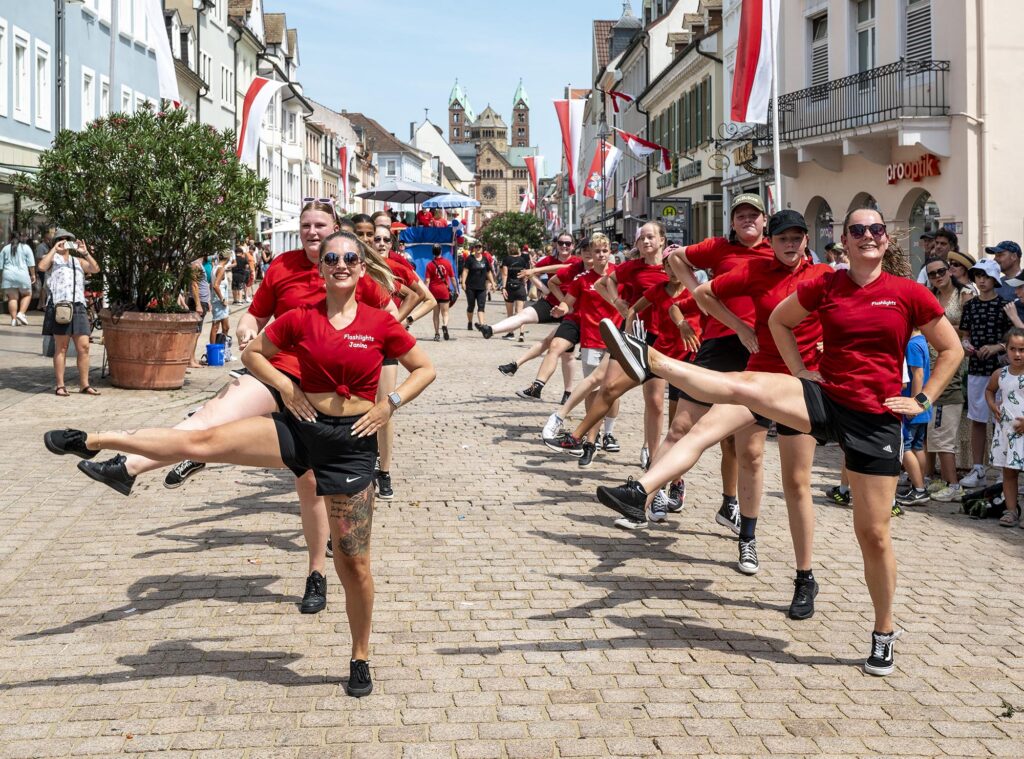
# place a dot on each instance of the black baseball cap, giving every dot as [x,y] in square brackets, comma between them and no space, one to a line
[786,219]
[927,236]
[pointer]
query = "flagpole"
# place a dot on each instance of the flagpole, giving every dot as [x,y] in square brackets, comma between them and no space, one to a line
[775,107]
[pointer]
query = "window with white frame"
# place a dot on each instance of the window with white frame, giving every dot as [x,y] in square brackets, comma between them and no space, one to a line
[918,40]
[44,93]
[20,77]
[88,101]
[392,168]
[291,128]
[865,29]
[103,7]
[140,100]
[819,49]
[126,99]
[3,67]
[124,16]
[205,68]
[104,96]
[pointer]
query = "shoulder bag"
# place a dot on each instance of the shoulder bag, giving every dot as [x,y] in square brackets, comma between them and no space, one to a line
[64,311]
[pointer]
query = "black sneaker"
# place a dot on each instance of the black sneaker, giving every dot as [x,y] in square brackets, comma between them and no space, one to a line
[532,392]
[330,549]
[359,683]
[589,449]
[748,563]
[676,496]
[565,443]
[315,598]
[63,442]
[630,352]
[802,606]
[384,489]
[897,510]
[185,469]
[444,331]
[509,369]
[629,499]
[729,515]
[610,444]
[882,660]
[914,497]
[837,496]
[469,326]
[565,396]
[111,472]
[508,336]
[485,330]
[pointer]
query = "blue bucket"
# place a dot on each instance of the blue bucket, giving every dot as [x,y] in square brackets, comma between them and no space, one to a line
[215,354]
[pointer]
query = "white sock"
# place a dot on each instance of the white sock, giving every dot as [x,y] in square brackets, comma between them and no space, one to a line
[609,424]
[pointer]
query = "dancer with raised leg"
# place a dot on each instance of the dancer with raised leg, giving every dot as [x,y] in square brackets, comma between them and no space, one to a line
[329,426]
[867,316]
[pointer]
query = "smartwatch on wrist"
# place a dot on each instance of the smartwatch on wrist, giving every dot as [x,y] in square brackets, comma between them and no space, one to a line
[395,400]
[923,400]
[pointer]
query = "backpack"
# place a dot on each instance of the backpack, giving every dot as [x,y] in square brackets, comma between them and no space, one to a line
[984,503]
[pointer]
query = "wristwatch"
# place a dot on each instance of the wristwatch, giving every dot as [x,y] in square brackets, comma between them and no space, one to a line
[395,400]
[923,400]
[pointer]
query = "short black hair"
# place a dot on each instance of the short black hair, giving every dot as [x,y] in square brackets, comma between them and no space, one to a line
[954,241]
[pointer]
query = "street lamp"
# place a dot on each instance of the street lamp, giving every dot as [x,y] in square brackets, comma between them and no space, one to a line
[60,45]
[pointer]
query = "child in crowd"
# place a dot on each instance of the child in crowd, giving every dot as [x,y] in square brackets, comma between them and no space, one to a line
[982,325]
[943,430]
[1007,444]
[915,428]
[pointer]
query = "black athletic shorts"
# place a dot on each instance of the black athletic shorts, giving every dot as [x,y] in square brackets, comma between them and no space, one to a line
[720,354]
[873,443]
[543,309]
[278,400]
[674,393]
[568,330]
[342,464]
[515,292]
[763,421]
[477,297]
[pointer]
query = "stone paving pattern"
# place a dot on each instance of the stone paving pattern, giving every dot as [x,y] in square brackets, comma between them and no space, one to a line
[512,619]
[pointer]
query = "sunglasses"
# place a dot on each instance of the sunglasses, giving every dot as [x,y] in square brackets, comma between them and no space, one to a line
[936,273]
[382,239]
[859,230]
[332,259]
[565,242]
[325,201]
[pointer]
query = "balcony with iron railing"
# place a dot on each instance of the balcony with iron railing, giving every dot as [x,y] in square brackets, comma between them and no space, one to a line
[901,90]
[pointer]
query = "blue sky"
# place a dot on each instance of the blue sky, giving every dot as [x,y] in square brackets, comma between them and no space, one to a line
[406,54]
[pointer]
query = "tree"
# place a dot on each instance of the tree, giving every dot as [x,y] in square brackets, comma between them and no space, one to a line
[510,231]
[149,193]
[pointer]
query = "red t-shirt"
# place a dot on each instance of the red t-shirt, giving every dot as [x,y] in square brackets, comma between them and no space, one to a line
[719,256]
[292,280]
[566,276]
[404,275]
[424,218]
[553,261]
[343,361]
[400,259]
[635,278]
[768,283]
[669,341]
[439,276]
[590,307]
[866,331]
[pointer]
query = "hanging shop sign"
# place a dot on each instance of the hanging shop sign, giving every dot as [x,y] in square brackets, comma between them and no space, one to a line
[925,166]
[674,213]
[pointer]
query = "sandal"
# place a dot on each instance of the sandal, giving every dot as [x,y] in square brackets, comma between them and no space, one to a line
[89,390]
[1009,519]
[61,391]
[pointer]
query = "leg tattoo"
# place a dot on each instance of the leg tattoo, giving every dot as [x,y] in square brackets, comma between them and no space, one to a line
[353,515]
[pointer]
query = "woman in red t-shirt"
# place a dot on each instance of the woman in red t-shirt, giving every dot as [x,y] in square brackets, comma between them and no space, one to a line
[293,279]
[328,426]
[867,316]
[440,276]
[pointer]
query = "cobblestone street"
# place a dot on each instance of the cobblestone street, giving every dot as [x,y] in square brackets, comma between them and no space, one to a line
[512,619]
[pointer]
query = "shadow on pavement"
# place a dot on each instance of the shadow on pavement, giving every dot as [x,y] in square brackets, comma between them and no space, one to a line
[208,540]
[160,591]
[185,659]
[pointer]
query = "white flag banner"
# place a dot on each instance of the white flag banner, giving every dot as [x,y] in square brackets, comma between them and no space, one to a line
[166,78]
[257,98]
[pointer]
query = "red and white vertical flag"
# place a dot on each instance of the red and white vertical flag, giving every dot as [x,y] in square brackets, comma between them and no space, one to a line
[752,77]
[343,177]
[528,204]
[533,165]
[167,80]
[642,148]
[606,158]
[257,98]
[570,119]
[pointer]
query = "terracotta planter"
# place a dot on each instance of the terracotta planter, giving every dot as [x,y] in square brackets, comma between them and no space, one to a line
[148,351]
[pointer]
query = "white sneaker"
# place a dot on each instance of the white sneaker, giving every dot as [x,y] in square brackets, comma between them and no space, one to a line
[934,486]
[659,507]
[949,493]
[14,323]
[625,523]
[21,318]
[552,427]
[645,457]
[973,478]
